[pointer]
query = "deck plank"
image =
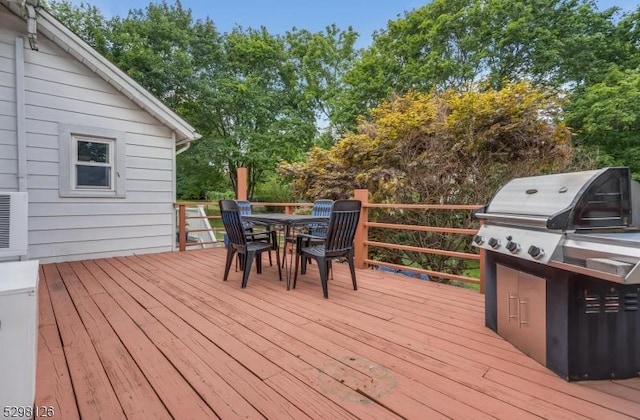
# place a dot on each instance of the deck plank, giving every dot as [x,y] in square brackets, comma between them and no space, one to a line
[136,396]
[163,333]
[280,354]
[500,409]
[93,391]
[167,383]
[53,382]
[439,401]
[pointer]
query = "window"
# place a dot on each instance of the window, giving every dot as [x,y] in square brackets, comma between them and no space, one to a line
[92,162]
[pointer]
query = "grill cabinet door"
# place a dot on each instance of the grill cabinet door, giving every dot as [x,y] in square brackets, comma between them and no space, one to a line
[522,318]
[507,295]
[532,316]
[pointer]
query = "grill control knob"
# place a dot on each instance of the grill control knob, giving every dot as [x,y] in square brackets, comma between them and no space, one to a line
[512,247]
[494,243]
[478,240]
[535,252]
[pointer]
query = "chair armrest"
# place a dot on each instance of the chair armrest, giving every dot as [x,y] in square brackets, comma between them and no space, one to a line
[258,235]
[308,236]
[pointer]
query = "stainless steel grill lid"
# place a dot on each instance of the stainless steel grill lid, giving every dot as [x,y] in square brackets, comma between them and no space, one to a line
[570,201]
[581,221]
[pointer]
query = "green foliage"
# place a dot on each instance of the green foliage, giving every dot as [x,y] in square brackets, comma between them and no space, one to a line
[454,43]
[196,176]
[450,148]
[608,115]
[423,147]
[254,97]
[84,20]
[321,59]
[274,190]
[215,196]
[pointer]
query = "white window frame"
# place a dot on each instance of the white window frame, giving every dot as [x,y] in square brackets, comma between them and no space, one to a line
[70,135]
[111,144]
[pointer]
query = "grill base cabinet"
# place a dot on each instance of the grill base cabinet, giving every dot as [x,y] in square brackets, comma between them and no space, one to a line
[521,300]
[18,336]
[579,327]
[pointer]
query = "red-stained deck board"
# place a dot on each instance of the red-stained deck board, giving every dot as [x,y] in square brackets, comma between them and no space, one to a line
[359,377]
[236,325]
[162,335]
[94,393]
[136,396]
[53,387]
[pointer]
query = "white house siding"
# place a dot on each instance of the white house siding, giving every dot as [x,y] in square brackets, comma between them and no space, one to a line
[61,90]
[8,137]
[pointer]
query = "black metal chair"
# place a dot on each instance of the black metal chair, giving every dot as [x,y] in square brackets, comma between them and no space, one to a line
[338,243]
[321,207]
[241,243]
[245,210]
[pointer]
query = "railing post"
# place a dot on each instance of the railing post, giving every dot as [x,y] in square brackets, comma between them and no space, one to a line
[483,256]
[361,249]
[241,194]
[288,209]
[182,227]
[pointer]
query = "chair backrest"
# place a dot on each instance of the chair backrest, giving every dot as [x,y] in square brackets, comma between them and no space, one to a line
[245,210]
[244,206]
[321,207]
[230,215]
[342,226]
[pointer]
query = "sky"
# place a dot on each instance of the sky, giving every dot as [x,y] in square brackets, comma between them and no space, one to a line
[279,16]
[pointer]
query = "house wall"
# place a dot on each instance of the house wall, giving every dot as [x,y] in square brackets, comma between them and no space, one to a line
[61,90]
[8,136]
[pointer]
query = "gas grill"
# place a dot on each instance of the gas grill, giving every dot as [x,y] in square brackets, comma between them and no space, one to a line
[562,270]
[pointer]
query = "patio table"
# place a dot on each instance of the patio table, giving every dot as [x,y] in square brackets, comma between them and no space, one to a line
[289,221]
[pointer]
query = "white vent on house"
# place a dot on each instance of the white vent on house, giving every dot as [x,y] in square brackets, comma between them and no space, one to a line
[13,224]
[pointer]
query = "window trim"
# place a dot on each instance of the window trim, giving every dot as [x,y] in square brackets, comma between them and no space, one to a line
[111,145]
[69,135]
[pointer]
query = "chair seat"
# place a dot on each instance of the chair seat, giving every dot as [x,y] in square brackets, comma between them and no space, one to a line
[316,251]
[258,246]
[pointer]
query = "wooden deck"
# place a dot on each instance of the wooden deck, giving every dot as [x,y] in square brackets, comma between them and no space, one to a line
[161,336]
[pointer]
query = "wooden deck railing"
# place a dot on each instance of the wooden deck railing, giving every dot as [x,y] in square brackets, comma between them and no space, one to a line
[362,241]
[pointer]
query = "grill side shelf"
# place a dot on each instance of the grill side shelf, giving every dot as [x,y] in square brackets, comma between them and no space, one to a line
[632,278]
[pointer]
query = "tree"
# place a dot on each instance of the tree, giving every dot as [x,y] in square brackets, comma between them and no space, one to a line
[84,20]
[257,114]
[456,43]
[253,102]
[607,118]
[321,59]
[446,147]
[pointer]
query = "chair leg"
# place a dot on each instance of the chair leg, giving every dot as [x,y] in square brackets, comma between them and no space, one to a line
[259,263]
[303,264]
[248,259]
[278,262]
[295,271]
[284,254]
[323,264]
[352,268]
[227,266]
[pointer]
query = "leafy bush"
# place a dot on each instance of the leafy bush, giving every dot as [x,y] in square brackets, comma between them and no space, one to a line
[274,190]
[449,147]
[216,196]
